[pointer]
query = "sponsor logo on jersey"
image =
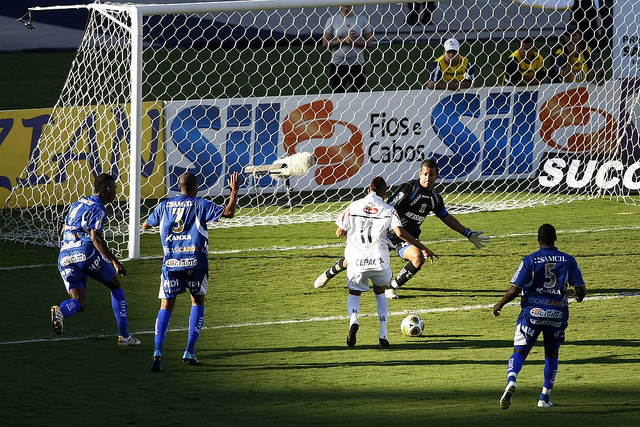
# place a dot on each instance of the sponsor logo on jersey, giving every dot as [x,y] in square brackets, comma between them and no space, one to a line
[99,221]
[370,210]
[546,322]
[95,265]
[396,199]
[183,249]
[551,314]
[415,217]
[549,258]
[73,259]
[168,284]
[187,262]
[369,262]
[544,301]
[72,235]
[71,245]
[174,237]
[179,203]
[550,291]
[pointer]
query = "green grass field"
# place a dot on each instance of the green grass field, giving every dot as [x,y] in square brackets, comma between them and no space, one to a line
[274,350]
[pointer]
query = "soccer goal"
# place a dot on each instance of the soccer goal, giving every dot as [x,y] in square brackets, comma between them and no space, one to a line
[310,99]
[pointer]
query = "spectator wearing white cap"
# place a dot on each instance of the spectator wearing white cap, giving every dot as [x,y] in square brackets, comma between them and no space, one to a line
[451,71]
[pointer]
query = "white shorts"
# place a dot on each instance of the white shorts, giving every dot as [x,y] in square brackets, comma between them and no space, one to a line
[359,281]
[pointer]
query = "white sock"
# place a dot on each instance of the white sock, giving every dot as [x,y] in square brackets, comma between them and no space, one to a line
[353,305]
[546,391]
[383,314]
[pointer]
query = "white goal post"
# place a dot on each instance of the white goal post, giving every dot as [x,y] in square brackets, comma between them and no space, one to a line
[213,88]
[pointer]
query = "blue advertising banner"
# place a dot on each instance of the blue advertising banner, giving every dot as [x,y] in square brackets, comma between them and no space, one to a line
[478,134]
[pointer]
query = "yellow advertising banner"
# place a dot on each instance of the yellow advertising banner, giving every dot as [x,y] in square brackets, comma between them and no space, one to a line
[51,157]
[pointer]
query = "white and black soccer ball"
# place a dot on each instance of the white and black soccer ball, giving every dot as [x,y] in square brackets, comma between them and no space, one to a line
[412,325]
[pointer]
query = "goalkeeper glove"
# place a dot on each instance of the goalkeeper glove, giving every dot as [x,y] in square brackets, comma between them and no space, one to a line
[476,238]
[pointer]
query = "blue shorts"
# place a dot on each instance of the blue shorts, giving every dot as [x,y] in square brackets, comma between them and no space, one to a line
[399,248]
[528,330]
[75,265]
[176,282]
[403,247]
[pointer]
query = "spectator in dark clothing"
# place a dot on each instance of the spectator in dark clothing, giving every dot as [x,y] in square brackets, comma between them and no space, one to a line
[414,12]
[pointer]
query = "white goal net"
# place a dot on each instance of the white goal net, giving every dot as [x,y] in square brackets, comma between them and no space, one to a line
[520,102]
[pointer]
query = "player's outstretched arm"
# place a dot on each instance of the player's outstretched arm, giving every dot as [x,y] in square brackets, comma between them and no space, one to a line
[234,183]
[101,245]
[404,235]
[509,296]
[474,237]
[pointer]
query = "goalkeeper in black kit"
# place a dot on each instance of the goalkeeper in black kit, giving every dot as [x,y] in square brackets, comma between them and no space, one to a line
[413,201]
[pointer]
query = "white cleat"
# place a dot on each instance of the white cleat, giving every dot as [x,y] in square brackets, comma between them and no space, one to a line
[130,341]
[321,281]
[391,294]
[505,400]
[543,404]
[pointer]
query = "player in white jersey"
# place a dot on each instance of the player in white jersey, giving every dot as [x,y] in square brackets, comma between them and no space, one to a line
[185,241]
[365,224]
[413,201]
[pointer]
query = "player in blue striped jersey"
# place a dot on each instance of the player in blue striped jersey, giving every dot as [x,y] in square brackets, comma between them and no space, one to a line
[542,278]
[84,253]
[185,242]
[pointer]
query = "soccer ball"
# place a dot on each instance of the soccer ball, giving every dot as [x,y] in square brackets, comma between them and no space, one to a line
[412,325]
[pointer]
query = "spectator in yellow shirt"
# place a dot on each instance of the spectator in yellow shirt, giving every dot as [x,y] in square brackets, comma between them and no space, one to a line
[451,71]
[525,66]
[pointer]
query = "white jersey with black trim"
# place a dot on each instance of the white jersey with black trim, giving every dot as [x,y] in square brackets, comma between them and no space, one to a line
[367,222]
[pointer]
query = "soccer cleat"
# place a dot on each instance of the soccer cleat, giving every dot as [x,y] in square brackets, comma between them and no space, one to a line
[505,400]
[57,320]
[321,281]
[391,293]
[130,341]
[543,404]
[156,362]
[190,359]
[384,342]
[351,336]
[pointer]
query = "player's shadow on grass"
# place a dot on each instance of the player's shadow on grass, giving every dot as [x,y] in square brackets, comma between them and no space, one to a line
[538,361]
[419,343]
[439,292]
[612,343]
[443,343]
[615,291]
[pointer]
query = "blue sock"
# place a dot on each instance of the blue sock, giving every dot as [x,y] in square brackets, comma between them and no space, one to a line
[550,371]
[515,365]
[196,321]
[162,323]
[119,305]
[70,307]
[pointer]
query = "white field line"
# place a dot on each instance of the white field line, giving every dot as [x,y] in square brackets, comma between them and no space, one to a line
[313,319]
[337,245]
